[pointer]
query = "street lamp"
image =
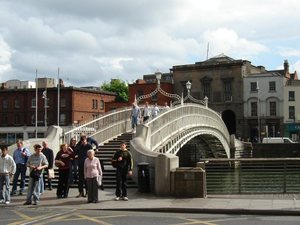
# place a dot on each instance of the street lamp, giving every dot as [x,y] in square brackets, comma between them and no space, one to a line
[158,77]
[188,86]
[258,114]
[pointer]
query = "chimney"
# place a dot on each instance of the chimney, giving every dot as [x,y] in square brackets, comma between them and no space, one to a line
[286,66]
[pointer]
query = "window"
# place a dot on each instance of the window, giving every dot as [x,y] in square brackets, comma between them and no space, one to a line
[227,91]
[62,119]
[5,104]
[33,119]
[17,104]
[95,104]
[154,97]
[291,112]
[253,86]
[272,108]
[4,119]
[33,103]
[62,102]
[17,119]
[101,104]
[291,96]
[206,90]
[139,93]
[254,109]
[272,86]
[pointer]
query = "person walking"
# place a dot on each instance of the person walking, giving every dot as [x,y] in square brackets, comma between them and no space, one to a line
[124,165]
[49,155]
[146,112]
[155,110]
[81,155]
[20,157]
[7,169]
[37,162]
[135,115]
[92,170]
[63,162]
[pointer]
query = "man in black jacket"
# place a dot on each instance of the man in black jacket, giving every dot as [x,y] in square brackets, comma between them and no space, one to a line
[81,153]
[124,164]
[49,155]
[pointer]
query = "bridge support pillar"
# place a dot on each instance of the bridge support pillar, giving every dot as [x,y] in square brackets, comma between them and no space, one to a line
[164,164]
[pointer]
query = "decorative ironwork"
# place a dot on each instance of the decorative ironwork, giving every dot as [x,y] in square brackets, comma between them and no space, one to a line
[158,90]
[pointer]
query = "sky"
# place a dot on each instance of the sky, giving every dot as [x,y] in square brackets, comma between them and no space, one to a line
[94,41]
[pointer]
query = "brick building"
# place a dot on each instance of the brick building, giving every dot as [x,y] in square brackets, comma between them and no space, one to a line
[147,85]
[17,110]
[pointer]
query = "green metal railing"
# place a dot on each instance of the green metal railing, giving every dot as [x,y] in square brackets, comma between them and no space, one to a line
[250,176]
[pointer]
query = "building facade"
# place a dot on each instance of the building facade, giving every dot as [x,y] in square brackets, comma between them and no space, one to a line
[263,105]
[220,79]
[18,110]
[291,109]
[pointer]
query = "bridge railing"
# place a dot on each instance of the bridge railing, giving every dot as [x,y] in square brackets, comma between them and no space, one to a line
[103,128]
[250,176]
[174,121]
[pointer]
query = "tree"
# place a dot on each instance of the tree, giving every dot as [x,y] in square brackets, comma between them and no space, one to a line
[119,87]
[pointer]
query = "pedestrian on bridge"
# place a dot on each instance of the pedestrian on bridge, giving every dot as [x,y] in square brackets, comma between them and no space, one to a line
[135,115]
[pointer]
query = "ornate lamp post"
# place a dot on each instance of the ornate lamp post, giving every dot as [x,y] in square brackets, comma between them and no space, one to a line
[190,97]
[158,90]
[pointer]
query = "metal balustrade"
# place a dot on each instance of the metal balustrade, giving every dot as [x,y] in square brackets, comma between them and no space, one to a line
[173,128]
[103,128]
[250,176]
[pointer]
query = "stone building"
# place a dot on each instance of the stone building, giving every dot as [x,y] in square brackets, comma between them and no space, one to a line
[220,79]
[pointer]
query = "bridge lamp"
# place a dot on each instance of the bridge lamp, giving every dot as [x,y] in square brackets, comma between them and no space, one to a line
[158,77]
[188,86]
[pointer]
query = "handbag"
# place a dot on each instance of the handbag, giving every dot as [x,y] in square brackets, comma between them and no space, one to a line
[35,174]
[51,174]
[99,180]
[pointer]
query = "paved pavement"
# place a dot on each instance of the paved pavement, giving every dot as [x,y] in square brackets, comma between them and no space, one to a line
[276,204]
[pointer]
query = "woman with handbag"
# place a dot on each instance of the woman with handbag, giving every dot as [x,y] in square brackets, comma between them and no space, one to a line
[62,161]
[92,175]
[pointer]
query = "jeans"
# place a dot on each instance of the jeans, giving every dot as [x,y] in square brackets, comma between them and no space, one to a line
[21,169]
[4,193]
[134,121]
[33,192]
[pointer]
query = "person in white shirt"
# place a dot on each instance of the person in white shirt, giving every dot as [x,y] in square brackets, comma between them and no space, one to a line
[166,108]
[155,111]
[147,112]
[7,169]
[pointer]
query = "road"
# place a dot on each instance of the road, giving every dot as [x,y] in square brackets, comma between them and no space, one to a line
[53,216]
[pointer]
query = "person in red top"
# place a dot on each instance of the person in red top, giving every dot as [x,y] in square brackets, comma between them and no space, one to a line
[62,161]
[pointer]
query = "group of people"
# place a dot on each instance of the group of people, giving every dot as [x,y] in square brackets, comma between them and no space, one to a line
[75,162]
[148,112]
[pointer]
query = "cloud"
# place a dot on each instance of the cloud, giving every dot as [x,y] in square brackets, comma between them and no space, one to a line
[95,40]
[5,57]
[227,41]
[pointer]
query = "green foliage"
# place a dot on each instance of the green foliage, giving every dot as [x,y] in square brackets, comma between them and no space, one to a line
[119,87]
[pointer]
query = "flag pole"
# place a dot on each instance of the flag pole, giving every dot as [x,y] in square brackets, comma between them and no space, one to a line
[36,102]
[58,97]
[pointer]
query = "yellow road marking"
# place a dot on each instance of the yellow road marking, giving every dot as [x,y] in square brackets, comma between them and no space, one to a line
[194,221]
[94,220]
[96,217]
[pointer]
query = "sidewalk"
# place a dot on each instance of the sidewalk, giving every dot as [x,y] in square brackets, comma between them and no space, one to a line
[277,204]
